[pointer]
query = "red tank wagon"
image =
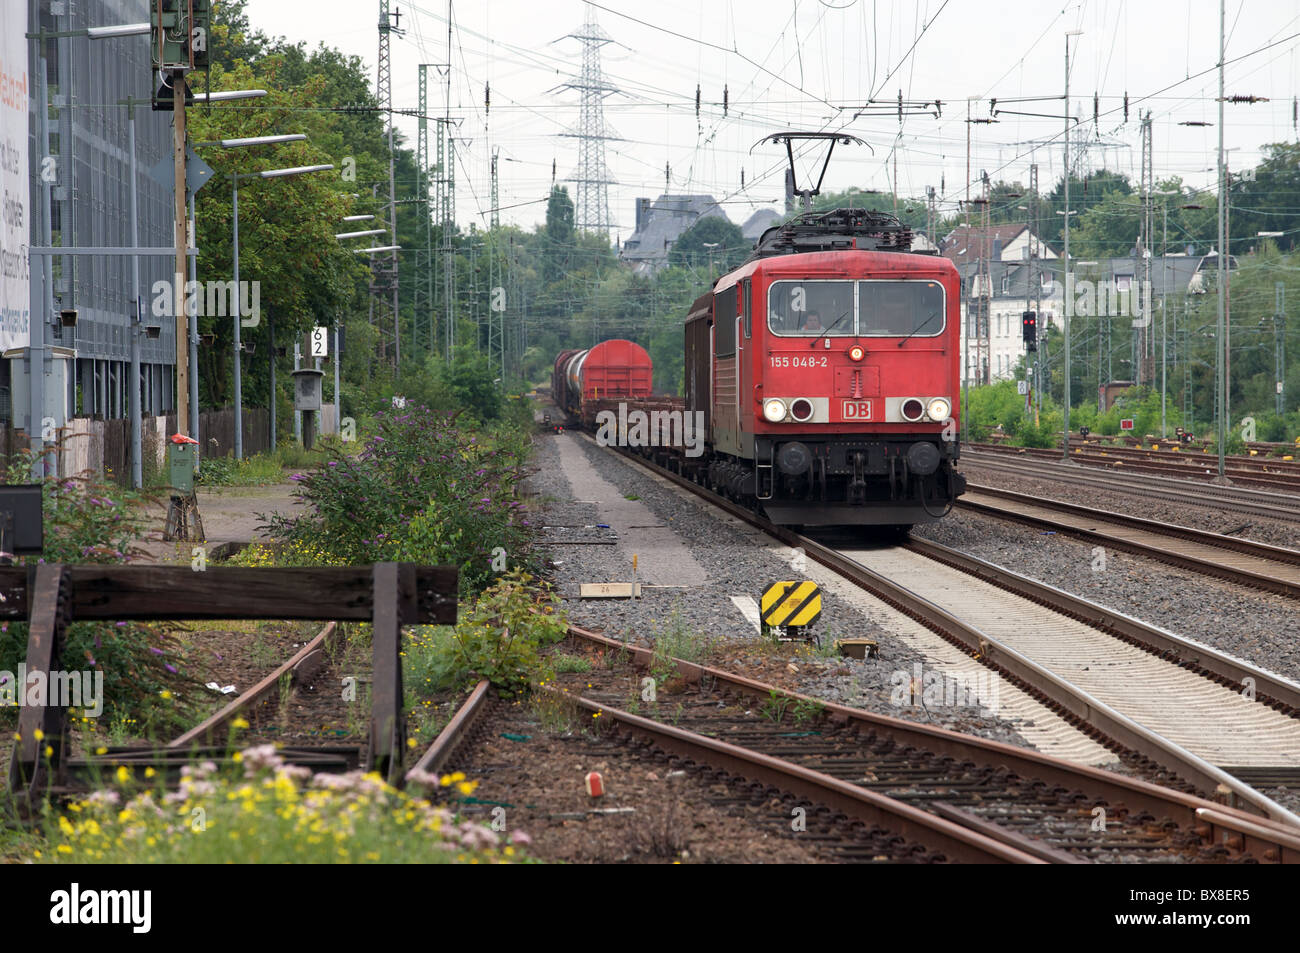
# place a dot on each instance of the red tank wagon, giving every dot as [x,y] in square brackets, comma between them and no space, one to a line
[612,370]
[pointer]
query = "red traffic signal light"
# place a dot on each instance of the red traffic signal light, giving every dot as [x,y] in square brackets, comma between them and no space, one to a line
[1029,330]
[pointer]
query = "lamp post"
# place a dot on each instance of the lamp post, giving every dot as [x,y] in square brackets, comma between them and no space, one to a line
[238,309]
[236,143]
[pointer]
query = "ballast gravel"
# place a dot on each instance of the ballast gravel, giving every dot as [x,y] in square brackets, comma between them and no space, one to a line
[581,549]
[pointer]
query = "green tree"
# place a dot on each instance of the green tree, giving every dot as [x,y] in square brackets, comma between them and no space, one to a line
[558,237]
[692,247]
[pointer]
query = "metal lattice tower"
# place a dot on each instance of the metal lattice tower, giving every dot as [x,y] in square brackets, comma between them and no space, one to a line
[424,321]
[446,202]
[591,205]
[983,349]
[383,285]
[496,308]
[496,209]
[1144,345]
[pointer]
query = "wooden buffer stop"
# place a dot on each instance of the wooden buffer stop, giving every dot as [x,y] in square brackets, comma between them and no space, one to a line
[51,596]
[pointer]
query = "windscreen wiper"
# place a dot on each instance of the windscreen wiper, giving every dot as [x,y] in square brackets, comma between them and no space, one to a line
[918,328]
[833,326]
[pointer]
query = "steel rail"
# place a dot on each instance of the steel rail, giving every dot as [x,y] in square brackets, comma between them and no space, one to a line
[205,729]
[1166,531]
[1279,506]
[1076,704]
[1270,688]
[1273,840]
[456,731]
[954,841]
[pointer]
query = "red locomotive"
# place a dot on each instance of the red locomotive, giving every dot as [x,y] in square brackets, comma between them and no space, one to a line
[824,372]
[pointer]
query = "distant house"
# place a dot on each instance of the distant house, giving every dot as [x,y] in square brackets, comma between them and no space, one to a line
[1006,242]
[1016,286]
[758,223]
[660,224]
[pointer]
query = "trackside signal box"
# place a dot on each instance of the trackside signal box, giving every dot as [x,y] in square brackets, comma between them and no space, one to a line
[180,466]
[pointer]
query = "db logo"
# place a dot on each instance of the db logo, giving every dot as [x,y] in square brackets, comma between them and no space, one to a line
[857,410]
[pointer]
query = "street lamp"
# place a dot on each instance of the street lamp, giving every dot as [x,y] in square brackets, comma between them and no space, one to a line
[236,143]
[126,29]
[239,298]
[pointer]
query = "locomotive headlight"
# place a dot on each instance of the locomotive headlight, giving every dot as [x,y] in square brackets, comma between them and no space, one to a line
[912,409]
[774,409]
[939,409]
[857,352]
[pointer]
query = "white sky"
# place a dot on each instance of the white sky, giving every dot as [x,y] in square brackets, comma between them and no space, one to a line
[797,61]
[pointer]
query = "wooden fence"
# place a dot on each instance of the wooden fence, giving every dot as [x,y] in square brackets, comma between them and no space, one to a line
[104,446]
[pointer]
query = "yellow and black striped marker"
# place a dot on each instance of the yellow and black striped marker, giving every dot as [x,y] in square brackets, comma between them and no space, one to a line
[791,604]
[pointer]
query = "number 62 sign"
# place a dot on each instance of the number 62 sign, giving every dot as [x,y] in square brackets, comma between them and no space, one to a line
[320,342]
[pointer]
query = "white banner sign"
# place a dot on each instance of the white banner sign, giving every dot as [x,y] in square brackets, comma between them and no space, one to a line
[15,190]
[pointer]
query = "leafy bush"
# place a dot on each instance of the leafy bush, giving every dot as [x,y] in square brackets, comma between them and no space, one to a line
[424,488]
[500,640]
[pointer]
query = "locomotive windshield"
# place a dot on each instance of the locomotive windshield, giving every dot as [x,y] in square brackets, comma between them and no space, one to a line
[810,307]
[848,308]
[894,308]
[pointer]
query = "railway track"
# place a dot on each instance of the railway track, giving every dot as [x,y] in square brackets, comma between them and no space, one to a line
[1244,561]
[1187,721]
[1267,474]
[876,788]
[1240,500]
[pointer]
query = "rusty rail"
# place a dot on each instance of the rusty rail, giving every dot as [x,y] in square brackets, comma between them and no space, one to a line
[456,730]
[1269,839]
[206,729]
[955,841]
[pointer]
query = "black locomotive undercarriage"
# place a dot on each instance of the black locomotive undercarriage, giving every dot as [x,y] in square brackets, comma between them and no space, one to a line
[834,481]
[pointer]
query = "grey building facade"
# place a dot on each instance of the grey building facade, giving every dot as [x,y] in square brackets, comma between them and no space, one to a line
[86,170]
